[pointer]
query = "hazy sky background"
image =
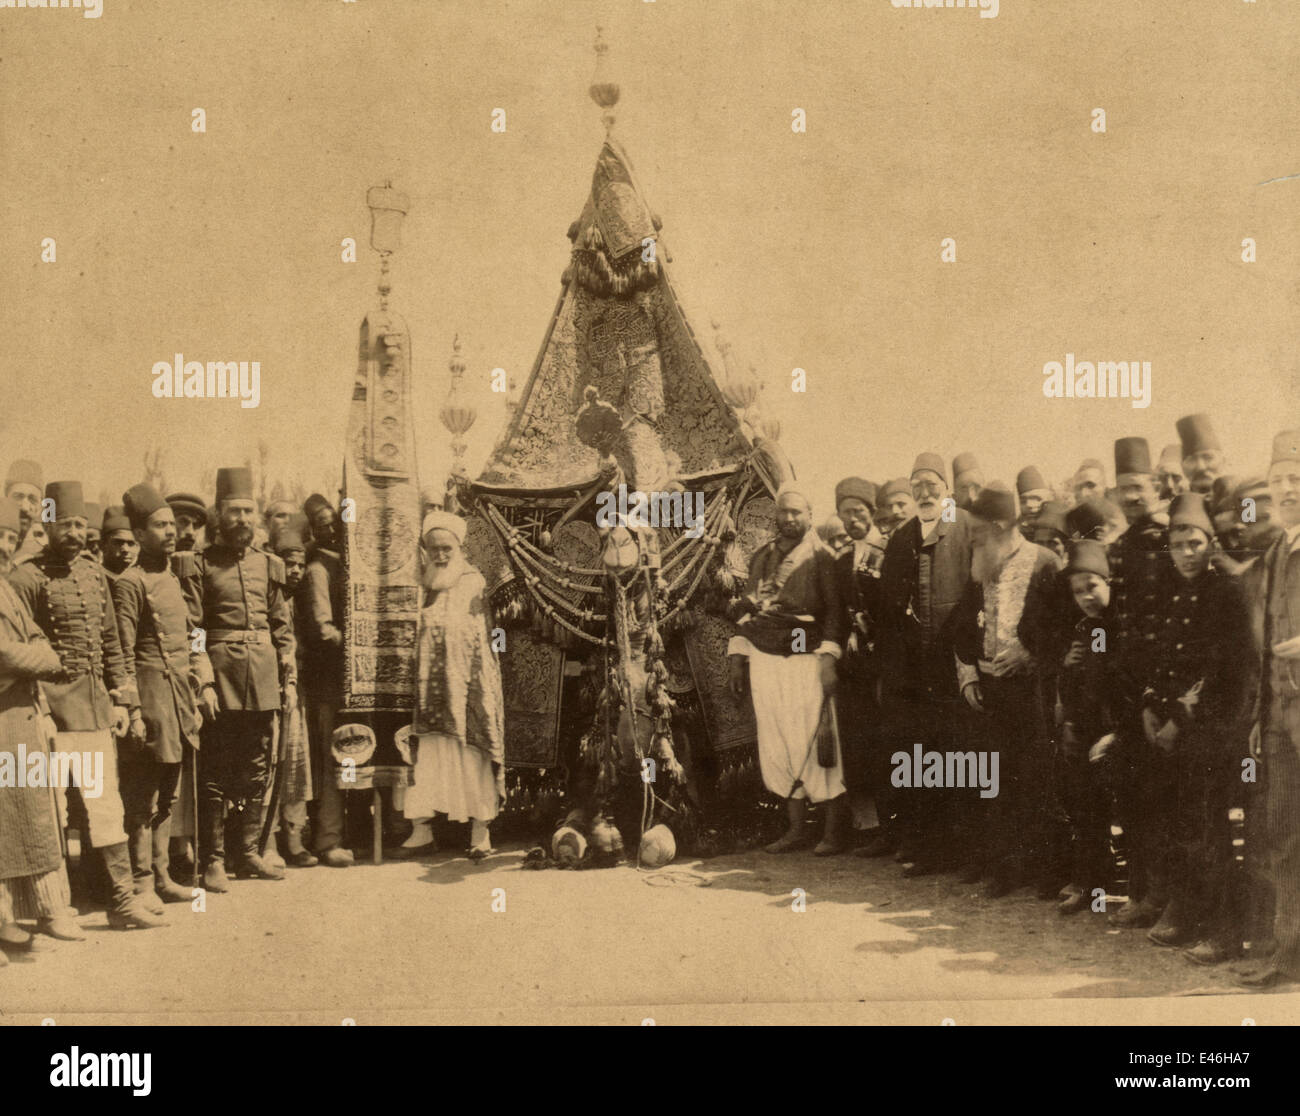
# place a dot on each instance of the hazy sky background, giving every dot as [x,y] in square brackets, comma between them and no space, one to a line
[819,250]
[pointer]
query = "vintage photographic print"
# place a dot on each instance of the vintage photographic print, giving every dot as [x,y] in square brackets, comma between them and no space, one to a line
[649,512]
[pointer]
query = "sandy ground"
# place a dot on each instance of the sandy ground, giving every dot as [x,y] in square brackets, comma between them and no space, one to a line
[717,940]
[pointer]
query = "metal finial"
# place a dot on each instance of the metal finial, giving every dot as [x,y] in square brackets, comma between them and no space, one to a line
[602,90]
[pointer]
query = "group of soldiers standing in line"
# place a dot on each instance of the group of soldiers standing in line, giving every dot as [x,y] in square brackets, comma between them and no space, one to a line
[1132,657]
[124,639]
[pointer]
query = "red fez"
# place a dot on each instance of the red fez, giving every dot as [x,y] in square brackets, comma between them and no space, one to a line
[857,489]
[1188,510]
[67,499]
[1196,433]
[963,463]
[1132,455]
[115,519]
[186,503]
[234,484]
[928,462]
[995,502]
[894,487]
[140,501]
[24,471]
[1087,517]
[1029,479]
[1051,517]
[1090,463]
[10,517]
[1088,556]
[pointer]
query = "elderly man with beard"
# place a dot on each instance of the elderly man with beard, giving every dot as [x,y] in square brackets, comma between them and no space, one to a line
[895,506]
[458,728]
[154,623]
[33,879]
[1140,572]
[1202,452]
[23,485]
[249,675]
[1169,472]
[1089,483]
[791,632]
[69,597]
[1275,737]
[925,575]
[1011,577]
[866,769]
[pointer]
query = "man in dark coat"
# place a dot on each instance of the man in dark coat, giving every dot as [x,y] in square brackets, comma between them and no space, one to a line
[926,573]
[154,623]
[250,655]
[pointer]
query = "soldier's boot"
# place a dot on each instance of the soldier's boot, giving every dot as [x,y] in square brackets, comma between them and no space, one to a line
[167,889]
[297,852]
[126,912]
[252,865]
[1176,925]
[211,847]
[140,846]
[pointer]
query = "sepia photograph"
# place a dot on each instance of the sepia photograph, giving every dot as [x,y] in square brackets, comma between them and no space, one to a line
[649,513]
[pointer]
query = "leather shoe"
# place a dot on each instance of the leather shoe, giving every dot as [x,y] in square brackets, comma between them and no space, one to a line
[1208,951]
[61,928]
[13,936]
[1073,899]
[337,857]
[1166,932]
[215,878]
[301,859]
[1266,976]
[1132,916]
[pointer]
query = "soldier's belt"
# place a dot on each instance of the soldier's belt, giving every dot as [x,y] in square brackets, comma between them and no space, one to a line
[236,635]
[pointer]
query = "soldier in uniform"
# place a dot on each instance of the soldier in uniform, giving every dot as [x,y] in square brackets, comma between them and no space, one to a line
[1189,713]
[866,777]
[191,516]
[154,623]
[117,541]
[1139,571]
[323,589]
[251,674]
[68,595]
[1033,493]
[895,506]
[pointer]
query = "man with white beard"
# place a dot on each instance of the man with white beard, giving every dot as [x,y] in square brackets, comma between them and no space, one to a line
[1012,578]
[458,730]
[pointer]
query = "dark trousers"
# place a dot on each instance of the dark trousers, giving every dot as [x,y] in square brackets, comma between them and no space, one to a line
[1141,802]
[1083,793]
[866,764]
[1281,743]
[148,792]
[235,764]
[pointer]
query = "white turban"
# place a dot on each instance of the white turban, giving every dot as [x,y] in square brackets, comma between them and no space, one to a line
[438,520]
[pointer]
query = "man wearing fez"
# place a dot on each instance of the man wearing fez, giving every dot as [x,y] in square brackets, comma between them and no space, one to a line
[458,727]
[191,516]
[791,632]
[69,597]
[117,541]
[1275,738]
[23,484]
[1010,580]
[896,506]
[154,624]
[1169,472]
[290,547]
[1097,519]
[322,593]
[1033,493]
[866,777]
[926,573]
[33,879]
[94,516]
[249,676]
[1191,711]
[1202,453]
[967,479]
[1139,573]
[1049,529]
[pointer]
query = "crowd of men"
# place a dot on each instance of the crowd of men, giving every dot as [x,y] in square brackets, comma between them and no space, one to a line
[1129,657]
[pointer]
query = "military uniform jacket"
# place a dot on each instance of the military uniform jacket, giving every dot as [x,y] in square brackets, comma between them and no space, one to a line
[860,591]
[1140,573]
[1201,664]
[1087,688]
[250,649]
[154,622]
[74,608]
